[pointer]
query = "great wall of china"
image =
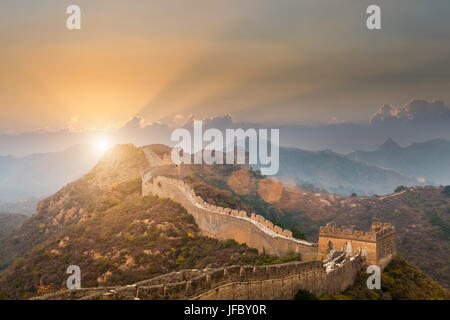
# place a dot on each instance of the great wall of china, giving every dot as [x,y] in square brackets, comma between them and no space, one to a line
[377,244]
[329,266]
[225,223]
[282,281]
[230,283]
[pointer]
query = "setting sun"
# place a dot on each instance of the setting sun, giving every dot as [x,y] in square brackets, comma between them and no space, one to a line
[102,145]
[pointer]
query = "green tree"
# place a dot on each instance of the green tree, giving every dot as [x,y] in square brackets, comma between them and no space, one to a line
[297,233]
[399,189]
[304,295]
[446,191]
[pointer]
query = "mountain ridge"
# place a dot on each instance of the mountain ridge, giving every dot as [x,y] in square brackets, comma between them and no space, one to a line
[337,173]
[428,161]
[41,174]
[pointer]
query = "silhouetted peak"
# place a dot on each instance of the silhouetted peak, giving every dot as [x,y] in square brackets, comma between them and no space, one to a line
[389,144]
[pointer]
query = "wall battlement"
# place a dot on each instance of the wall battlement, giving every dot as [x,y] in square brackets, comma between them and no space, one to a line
[226,223]
[376,233]
[280,281]
[378,244]
[252,282]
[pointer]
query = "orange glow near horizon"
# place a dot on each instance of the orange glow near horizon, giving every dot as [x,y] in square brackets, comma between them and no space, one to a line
[259,60]
[97,85]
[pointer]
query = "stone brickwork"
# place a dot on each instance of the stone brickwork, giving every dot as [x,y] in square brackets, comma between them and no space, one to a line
[231,283]
[225,223]
[351,250]
[378,243]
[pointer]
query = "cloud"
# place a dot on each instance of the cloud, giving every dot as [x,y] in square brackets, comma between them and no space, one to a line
[417,111]
[384,113]
[417,121]
[225,121]
[335,120]
[73,121]
[219,122]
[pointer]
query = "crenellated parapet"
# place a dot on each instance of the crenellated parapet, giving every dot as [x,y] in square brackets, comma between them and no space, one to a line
[341,254]
[281,281]
[377,232]
[377,244]
[350,249]
[382,230]
[160,187]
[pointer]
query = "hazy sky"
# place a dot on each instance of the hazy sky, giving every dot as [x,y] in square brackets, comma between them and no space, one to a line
[280,61]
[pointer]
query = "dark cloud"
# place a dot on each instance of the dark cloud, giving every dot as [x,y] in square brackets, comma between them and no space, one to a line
[417,111]
[219,122]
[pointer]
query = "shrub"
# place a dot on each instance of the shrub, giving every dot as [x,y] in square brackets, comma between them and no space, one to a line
[289,256]
[446,191]
[297,233]
[19,263]
[180,261]
[3,296]
[400,189]
[229,243]
[304,295]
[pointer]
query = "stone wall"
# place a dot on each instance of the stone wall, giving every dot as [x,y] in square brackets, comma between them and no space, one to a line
[386,249]
[232,283]
[225,223]
[280,281]
[339,243]
[285,283]
[379,242]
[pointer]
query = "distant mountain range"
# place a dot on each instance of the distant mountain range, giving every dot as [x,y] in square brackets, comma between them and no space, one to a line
[38,175]
[337,173]
[368,172]
[24,181]
[26,207]
[428,161]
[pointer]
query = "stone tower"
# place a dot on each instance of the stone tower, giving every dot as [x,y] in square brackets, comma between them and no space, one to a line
[377,244]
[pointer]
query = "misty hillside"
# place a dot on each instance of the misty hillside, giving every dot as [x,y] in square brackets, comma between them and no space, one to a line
[8,223]
[25,181]
[337,174]
[38,175]
[101,223]
[428,160]
[26,207]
